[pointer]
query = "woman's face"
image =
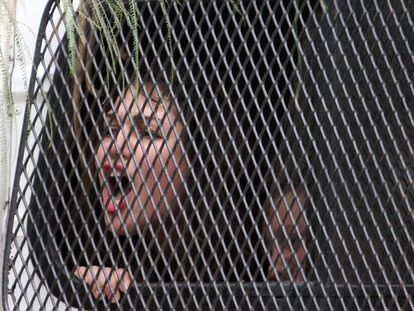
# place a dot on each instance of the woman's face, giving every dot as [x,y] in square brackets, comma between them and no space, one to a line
[141,166]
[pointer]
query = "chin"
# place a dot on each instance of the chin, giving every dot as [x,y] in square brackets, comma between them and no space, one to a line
[114,224]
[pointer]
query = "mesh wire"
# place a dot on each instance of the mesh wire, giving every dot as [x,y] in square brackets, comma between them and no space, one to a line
[255,155]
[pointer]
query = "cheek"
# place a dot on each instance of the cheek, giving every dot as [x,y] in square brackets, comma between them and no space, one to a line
[163,173]
[159,164]
[300,252]
[101,150]
[100,155]
[140,162]
[172,168]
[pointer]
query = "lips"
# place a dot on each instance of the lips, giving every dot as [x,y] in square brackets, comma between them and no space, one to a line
[116,187]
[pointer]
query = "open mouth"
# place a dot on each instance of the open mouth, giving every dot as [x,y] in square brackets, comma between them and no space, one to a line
[119,185]
[115,191]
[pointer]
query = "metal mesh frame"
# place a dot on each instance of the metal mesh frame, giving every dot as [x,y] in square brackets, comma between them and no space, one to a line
[295,160]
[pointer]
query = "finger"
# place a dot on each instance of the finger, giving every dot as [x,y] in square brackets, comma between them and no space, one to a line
[108,290]
[95,293]
[88,276]
[85,274]
[80,272]
[126,280]
[96,276]
[111,284]
[100,283]
[116,297]
[77,273]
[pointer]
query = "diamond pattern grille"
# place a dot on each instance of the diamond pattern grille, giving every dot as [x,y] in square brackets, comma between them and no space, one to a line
[238,155]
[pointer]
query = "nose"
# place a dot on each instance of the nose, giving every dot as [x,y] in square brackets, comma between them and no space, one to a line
[119,148]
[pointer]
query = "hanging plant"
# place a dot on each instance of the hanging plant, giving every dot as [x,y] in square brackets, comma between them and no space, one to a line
[108,16]
[14,56]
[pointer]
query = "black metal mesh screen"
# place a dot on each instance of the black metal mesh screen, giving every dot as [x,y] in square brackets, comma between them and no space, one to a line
[238,155]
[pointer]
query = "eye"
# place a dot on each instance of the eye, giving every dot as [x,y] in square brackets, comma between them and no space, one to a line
[148,133]
[107,130]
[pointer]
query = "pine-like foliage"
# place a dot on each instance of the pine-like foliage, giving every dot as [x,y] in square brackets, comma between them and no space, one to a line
[108,16]
[18,54]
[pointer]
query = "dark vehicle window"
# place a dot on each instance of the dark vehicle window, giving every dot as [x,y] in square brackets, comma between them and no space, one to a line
[226,155]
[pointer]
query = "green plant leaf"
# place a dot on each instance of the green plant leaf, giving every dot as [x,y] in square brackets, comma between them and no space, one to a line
[70,24]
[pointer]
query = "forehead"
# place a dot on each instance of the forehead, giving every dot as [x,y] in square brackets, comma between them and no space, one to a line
[148,101]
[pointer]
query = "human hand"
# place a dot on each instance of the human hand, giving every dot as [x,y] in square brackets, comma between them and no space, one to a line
[287,248]
[108,281]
